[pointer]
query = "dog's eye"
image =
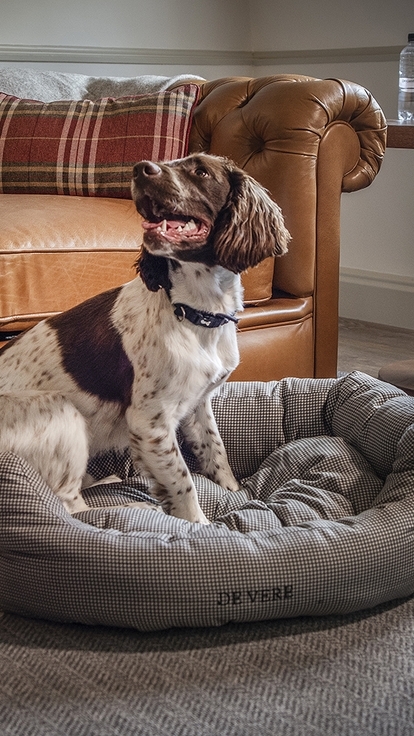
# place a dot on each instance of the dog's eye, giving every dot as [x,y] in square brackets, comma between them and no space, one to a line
[201,171]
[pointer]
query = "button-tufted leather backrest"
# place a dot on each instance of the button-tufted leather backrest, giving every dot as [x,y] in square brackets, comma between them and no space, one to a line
[280,130]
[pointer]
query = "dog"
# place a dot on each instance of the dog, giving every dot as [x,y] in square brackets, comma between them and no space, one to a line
[129,367]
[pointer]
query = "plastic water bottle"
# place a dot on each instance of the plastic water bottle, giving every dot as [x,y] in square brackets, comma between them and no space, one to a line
[406,83]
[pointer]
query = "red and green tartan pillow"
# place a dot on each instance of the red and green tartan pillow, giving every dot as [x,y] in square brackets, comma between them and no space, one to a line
[88,148]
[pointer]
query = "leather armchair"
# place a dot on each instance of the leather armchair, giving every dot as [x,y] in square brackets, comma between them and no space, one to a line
[305,139]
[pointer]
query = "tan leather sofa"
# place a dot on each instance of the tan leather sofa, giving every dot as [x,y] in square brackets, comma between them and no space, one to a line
[307,140]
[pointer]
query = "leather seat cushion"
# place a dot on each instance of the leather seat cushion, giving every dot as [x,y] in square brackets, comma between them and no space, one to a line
[57,251]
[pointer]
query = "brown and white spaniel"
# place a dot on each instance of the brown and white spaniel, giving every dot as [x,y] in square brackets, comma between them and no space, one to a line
[131,365]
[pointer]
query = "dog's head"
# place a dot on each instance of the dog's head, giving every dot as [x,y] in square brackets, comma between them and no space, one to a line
[203,208]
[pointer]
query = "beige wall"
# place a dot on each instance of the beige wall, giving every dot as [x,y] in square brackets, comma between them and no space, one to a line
[354,39]
[377,249]
[171,24]
[328,24]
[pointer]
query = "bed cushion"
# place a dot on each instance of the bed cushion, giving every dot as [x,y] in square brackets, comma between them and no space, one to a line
[322,522]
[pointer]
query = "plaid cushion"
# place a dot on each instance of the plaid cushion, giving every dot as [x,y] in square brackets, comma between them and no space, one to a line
[89,148]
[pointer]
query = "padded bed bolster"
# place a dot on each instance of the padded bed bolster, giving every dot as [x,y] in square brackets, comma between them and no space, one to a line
[322,522]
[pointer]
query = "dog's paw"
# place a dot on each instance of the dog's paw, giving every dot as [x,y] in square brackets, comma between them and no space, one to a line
[202,520]
[195,518]
[233,486]
[90,482]
[227,481]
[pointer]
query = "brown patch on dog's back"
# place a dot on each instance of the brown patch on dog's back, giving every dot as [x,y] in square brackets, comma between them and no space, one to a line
[92,350]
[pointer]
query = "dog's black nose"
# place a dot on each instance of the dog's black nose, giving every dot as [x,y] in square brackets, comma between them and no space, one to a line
[146,168]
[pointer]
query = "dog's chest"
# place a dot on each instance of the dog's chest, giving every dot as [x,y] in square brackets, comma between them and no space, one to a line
[179,361]
[164,349]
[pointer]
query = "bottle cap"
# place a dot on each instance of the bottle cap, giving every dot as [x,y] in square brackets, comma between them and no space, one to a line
[410,37]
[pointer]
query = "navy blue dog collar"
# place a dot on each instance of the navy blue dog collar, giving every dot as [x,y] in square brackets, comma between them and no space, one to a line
[200,318]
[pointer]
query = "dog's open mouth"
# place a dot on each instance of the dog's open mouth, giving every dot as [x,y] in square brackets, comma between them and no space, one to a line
[178,229]
[173,227]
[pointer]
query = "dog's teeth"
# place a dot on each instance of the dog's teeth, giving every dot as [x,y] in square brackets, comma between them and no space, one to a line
[164,226]
[190,225]
[180,229]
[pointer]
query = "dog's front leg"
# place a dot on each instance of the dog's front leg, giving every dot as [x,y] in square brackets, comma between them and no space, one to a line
[203,438]
[156,454]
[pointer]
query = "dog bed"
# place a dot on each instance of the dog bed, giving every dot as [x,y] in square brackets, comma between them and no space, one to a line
[322,523]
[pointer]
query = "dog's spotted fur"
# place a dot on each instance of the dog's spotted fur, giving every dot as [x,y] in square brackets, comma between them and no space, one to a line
[121,369]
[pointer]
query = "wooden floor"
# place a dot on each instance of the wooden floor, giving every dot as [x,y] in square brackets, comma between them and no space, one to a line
[367,347]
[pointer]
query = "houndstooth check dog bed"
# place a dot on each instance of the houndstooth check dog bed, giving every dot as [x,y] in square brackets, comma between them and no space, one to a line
[322,524]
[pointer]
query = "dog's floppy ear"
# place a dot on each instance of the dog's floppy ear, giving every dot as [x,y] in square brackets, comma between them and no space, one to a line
[153,271]
[250,227]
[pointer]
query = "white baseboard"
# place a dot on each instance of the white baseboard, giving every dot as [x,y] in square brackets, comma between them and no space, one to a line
[383,298]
